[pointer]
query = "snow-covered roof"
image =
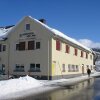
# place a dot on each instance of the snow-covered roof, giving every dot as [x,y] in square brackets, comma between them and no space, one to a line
[4,32]
[60,34]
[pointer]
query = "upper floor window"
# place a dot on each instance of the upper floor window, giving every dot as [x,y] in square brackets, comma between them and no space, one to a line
[81,53]
[22,46]
[58,45]
[91,57]
[27,26]
[37,45]
[86,55]
[0,47]
[4,47]
[30,45]
[67,48]
[17,46]
[76,52]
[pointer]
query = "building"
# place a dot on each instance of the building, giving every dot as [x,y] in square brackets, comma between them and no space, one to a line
[97,60]
[31,47]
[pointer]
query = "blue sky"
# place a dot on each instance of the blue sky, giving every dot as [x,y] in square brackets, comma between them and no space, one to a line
[79,19]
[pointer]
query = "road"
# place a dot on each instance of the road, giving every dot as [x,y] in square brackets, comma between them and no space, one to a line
[87,90]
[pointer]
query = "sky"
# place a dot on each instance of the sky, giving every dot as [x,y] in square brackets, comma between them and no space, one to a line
[79,19]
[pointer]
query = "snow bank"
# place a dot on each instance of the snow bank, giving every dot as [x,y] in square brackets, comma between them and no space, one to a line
[16,85]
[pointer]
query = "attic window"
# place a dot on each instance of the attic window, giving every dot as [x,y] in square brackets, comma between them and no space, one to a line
[27,26]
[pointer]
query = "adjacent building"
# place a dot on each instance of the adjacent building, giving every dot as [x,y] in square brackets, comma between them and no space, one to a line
[31,47]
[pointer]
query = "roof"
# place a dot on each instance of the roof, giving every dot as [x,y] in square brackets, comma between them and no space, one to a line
[60,34]
[4,32]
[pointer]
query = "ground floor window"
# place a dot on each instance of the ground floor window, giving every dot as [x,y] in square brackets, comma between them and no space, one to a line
[69,67]
[77,68]
[73,68]
[34,67]
[63,67]
[19,68]
[2,69]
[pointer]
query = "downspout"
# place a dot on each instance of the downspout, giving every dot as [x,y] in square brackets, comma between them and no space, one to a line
[8,57]
[48,60]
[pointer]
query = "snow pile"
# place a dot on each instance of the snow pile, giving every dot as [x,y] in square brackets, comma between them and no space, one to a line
[16,85]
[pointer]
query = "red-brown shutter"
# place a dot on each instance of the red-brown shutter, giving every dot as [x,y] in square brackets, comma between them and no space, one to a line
[67,48]
[57,45]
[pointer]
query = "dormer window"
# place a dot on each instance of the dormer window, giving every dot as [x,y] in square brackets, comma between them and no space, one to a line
[27,26]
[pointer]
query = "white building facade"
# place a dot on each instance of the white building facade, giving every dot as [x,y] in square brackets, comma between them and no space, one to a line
[33,48]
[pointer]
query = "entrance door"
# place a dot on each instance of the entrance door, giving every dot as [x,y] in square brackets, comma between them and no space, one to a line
[54,69]
[82,68]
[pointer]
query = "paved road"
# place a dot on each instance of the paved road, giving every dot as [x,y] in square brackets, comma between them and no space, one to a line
[87,90]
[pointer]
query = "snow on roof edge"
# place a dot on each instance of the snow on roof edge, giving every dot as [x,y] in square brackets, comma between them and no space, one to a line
[56,32]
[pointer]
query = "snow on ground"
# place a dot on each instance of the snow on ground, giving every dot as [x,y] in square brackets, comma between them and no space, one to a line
[27,82]
[16,85]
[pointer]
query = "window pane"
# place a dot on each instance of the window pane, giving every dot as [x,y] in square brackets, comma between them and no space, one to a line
[81,53]
[22,46]
[17,46]
[27,26]
[4,47]
[0,47]
[69,67]
[38,67]
[32,68]
[86,55]
[37,45]
[30,45]
[75,51]
[58,45]
[67,48]
[63,68]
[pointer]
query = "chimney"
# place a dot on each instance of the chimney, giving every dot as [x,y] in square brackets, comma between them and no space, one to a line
[42,20]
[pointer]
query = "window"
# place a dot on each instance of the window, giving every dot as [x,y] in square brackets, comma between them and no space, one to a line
[86,55]
[67,48]
[0,47]
[91,57]
[30,45]
[32,67]
[73,68]
[77,68]
[38,67]
[63,67]
[75,50]
[58,45]
[81,53]
[37,45]
[69,67]
[17,46]
[27,26]
[4,47]
[22,46]
[19,68]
